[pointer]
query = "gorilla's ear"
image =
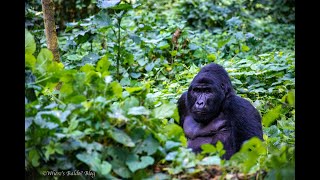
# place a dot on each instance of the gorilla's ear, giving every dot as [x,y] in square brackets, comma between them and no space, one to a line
[224,88]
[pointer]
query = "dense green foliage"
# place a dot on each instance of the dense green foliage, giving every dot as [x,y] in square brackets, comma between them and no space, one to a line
[109,106]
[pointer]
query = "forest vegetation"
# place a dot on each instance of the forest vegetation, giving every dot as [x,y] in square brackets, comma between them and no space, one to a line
[104,105]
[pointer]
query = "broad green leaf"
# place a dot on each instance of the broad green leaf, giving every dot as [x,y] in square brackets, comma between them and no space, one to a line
[234,21]
[271,116]
[198,53]
[133,89]
[171,145]
[223,42]
[121,169]
[77,99]
[119,156]
[149,145]
[105,168]
[164,111]
[118,153]
[107,3]
[129,59]
[134,162]
[54,67]
[102,19]
[219,146]
[91,76]
[149,66]
[45,55]
[121,137]
[94,161]
[91,58]
[48,119]
[122,7]
[135,75]
[50,149]
[30,61]
[211,57]
[116,88]
[73,124]
[29,43]
[34,157]
[44,58]
[136,39]
[273,131]
[130,102]
[253,145]
[208,148]
[103,64]
[173,53]
[74,57]
[87,68]
[291,98]
[249,154]
[140,110]
[173,130]
[193,46]
[88,158]
[66,89]
[245,48]
[212,160]
[163,45]
[171,156]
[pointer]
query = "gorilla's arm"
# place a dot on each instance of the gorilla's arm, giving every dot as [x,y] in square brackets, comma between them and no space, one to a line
[218,129]
[182,109]
[244,117]
[193,129]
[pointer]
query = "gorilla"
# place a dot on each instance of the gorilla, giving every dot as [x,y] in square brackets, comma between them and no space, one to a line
[210,111]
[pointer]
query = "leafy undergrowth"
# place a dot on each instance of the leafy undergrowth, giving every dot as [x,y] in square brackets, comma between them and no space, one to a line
[109,107]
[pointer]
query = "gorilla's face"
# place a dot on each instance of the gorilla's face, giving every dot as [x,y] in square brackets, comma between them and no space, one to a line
[205,98]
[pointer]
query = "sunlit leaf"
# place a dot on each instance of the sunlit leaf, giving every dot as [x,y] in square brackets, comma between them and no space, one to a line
[271,116]
[134,162]
[30,61]
[149,145]
[116,88]
[107,3]
[141,110]
[291,98]
[164,111]
[212,57]
[121,137]
[245,48]
[103,64]
[212,160]
[149,66]
[208,148]
[29,43]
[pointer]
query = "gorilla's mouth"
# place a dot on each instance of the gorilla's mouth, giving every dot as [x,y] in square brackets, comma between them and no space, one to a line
[200,112]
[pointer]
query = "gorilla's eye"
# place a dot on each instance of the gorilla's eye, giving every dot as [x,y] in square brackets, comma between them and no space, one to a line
[201,90]
[196,89]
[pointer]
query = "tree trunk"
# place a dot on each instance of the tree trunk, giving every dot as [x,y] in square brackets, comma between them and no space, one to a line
[50,28]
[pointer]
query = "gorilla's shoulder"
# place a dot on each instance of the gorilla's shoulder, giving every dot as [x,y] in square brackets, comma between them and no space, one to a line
[235,103]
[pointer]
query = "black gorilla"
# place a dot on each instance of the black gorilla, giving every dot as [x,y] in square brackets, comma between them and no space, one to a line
[210,111]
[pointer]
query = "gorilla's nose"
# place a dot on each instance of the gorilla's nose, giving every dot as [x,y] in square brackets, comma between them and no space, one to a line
[199,104]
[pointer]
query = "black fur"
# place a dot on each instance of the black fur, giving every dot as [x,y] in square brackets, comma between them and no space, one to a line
[211,111]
